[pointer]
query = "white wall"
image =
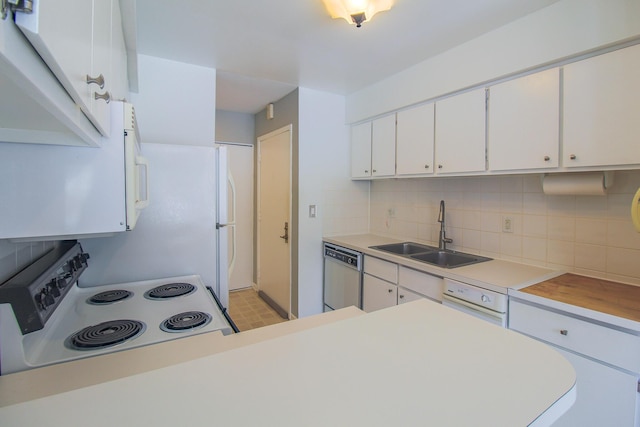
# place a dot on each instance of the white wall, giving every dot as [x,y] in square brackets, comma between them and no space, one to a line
[175,103]
[324,181]
[559,31]
[15,256]
[590,235]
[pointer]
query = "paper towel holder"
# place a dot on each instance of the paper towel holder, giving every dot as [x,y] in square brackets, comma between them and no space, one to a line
[606,178]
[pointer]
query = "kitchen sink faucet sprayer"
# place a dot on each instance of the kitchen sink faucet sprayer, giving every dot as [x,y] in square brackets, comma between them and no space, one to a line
[443,240]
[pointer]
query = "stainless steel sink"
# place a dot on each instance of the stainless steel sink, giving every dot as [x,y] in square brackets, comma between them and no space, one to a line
[431,255]
[448,259]
[406,248]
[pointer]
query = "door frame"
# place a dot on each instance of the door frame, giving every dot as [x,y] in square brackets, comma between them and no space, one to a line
[258,190]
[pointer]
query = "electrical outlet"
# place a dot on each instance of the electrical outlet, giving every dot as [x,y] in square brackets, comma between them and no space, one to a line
[391,212]
[507,224]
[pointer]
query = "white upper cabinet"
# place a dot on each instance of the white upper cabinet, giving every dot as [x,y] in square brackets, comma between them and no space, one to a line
[601,120]
[383,146]
[361,150]
[524,122]
[460,133]
[414,141]
[75,40]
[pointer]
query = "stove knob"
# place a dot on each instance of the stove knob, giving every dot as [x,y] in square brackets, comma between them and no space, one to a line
[52,288]
[484,298]
[84,257]
[48,299]
[39,299]
[61,282]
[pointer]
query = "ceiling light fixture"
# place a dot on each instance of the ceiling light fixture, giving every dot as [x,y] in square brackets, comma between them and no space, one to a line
[356,11]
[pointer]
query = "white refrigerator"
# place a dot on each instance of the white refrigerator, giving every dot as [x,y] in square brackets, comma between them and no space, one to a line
[176,234]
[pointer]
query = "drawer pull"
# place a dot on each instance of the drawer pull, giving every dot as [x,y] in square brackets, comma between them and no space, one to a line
[564,332]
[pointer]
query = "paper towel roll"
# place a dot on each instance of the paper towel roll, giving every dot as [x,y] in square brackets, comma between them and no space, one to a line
[577,184]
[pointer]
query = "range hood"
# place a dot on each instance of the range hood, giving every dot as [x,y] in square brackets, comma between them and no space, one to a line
[34,107]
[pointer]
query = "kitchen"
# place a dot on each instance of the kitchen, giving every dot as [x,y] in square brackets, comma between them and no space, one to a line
[407,208]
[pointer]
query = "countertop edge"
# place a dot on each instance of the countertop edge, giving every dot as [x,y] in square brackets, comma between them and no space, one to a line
[468,274]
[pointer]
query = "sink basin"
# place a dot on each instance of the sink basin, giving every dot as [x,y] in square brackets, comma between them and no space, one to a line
[406,248]
[448,259]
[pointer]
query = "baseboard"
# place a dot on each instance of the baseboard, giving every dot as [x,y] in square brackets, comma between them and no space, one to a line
[283,313]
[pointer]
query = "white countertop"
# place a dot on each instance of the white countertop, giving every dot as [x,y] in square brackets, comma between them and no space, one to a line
[495,275]
[415,364]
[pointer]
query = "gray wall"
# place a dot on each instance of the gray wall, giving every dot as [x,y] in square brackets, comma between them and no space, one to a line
[285,113]
[235,127]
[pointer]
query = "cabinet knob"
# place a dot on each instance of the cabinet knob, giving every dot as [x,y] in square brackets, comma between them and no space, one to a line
[426,166]
[572,156]
[96,80]
[104,96]
[390,290]
[564,332]
[401,296]
[366,171]
[374,171]
[439,166]
[547,158]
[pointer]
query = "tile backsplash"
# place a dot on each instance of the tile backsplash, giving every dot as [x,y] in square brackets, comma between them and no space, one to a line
[509,217]
[15,256]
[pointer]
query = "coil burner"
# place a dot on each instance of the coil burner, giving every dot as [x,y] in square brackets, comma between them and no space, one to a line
[110,297]
[186,321]
[171,290]
[105,334]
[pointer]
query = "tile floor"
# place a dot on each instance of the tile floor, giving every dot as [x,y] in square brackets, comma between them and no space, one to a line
[249,311]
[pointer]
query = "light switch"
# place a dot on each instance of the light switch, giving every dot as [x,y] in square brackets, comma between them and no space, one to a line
[312,211]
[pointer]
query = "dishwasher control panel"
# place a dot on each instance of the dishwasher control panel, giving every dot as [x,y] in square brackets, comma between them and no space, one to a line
[347,256]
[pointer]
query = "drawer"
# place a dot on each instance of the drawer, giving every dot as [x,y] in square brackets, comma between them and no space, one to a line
[599,342]
[382,269]
[422,283]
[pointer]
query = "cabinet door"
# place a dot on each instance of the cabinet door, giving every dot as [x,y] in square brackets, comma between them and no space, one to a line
[405,295]
[101,63]
[74,39]
[383,146]
[605,396]
[601,110]
[377,294]
[422,283]
[524,122]
[119,81]
[460,133]
[414,141]
[361,150]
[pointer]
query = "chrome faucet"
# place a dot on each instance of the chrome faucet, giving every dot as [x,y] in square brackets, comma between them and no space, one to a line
[443,240]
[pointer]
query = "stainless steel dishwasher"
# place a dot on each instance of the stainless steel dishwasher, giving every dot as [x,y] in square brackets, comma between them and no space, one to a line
[342,277]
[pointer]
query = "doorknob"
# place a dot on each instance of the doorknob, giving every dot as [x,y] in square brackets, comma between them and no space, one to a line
[286,233]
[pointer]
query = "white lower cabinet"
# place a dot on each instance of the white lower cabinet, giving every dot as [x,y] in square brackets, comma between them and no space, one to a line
[605,359]
[386,284]
[377,293]
[405,295]
[421,283]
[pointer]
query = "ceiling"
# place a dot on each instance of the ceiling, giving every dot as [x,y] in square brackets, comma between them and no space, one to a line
[264,49]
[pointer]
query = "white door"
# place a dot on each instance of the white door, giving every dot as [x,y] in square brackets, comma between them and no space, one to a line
[274,217]
[240,165]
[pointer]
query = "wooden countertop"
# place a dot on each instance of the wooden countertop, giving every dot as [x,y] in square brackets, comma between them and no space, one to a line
[418,363]
[616,299]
